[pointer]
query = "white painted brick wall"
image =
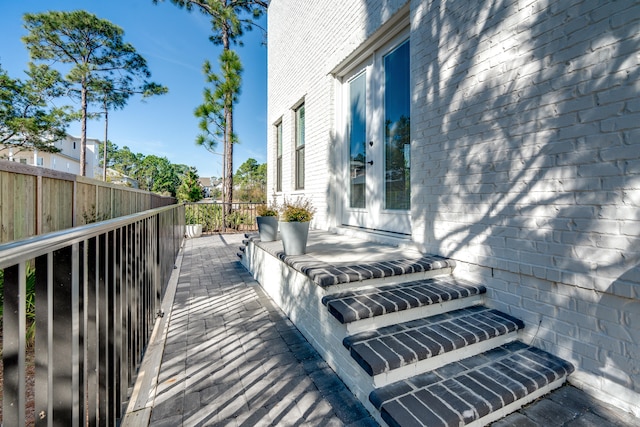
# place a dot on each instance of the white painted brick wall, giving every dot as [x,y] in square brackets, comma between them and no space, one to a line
[526,161]
[525,155]
[299,65]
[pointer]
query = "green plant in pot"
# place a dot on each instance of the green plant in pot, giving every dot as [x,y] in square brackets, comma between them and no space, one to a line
[294,225]
[267,219]
[193,224]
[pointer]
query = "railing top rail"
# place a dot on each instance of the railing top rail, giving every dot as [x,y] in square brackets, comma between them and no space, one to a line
[21,250]
[216,202]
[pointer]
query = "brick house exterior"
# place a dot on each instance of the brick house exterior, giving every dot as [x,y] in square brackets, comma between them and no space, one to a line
[522,160]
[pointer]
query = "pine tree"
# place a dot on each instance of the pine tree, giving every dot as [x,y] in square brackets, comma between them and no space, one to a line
[94,50]
[228,23]
[190,189]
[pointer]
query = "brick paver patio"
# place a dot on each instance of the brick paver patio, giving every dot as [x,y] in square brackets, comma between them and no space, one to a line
[232,358]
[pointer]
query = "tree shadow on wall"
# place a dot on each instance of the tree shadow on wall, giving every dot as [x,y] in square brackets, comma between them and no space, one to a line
[531,160]
[526,159]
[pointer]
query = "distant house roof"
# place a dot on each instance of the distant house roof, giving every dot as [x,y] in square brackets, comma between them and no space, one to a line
[205,182]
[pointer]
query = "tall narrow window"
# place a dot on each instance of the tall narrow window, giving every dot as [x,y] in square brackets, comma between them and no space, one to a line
[279,157]
[358,141]
[300,148]
[397,135]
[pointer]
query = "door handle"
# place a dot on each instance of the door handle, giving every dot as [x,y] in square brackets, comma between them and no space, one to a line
[370,162]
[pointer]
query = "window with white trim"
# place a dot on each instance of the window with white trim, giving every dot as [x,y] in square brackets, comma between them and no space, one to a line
[279,157]
[300,145]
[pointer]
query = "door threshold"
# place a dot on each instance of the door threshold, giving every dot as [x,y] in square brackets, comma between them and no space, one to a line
[374,235]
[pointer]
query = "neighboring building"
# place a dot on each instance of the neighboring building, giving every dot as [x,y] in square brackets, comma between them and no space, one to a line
[117,177]
[67,160]
[210,186]
[205,183]
[504,135]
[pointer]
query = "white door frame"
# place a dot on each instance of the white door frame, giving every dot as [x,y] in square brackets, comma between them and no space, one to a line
[373,216]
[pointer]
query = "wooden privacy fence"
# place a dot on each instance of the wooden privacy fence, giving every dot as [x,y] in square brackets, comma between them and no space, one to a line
[35,200]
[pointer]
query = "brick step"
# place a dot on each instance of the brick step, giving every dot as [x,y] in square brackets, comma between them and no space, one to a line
[366,309]
[242,250]
[474,391]
[399,351]
[352,276]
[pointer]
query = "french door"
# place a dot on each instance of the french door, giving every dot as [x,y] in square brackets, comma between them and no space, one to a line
[377,98]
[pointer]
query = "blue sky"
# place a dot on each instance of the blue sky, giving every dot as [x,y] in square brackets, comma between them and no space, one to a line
[175,44]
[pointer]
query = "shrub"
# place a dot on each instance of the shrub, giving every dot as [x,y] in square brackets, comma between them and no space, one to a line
[237,218]
[299,210]
[264,210]
[207,214]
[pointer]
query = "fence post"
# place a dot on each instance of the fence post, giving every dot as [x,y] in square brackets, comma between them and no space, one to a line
[74,207]
[39,207]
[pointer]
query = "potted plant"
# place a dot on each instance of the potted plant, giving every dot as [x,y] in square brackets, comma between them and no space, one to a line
[267,219]
[193,227]
[294,225]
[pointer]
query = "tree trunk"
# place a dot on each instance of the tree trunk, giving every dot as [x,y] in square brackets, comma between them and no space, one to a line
[83,130]
[228,139]
[104,151]
[228,155]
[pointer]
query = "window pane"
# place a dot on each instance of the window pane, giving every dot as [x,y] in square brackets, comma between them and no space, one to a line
[300,148]
[279,157]
[300,127]
[300,168]
[357,141]
[279,137]
[279,174]
[397,104]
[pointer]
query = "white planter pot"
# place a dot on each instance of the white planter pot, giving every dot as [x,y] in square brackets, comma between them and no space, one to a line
[294,237]
[193,230]
[268,228]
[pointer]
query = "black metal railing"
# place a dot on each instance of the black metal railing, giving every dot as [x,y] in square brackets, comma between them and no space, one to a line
[90,296]
[223,217]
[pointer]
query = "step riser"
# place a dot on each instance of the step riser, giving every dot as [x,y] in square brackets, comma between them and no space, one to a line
[439,361]
[412,314]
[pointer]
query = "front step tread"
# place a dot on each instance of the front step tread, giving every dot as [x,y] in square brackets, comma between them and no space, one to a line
[394,346]
[467,390]
[351,306]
